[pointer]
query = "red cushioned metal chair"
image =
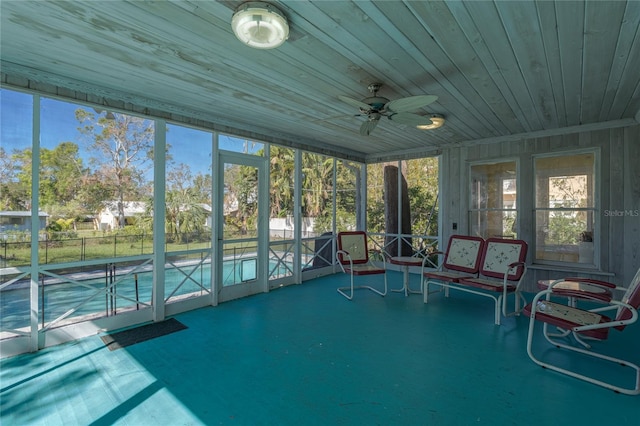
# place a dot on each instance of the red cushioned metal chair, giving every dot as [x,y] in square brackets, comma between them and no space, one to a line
[577,324]
[461,260]
[501,273]
[353,258]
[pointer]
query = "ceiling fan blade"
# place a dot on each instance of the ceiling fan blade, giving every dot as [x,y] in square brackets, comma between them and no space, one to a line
[411,103]
[354,102]
[368,126]
[410,119]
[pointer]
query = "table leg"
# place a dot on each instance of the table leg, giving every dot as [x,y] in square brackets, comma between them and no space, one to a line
[405,281]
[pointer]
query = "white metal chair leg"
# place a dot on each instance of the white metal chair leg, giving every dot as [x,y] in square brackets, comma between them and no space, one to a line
[348,296]
[425,288]
[628,391]
[356,259]
[565,333]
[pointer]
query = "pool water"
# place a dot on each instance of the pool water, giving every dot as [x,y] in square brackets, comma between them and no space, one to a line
[90,298]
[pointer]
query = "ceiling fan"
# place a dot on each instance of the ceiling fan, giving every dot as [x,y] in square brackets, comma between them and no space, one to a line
[376,107]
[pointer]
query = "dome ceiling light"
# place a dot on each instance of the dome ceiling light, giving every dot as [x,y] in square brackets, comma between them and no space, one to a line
[260,25]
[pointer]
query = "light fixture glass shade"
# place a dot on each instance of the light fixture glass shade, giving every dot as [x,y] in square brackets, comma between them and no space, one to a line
[260,25]
[436,121]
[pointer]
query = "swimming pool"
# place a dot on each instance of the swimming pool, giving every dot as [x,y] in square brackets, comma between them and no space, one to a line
[130,291]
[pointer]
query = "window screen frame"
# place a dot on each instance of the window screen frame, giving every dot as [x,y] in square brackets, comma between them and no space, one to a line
[592,212]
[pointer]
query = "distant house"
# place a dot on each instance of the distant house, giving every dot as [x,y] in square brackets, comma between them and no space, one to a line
[108,216]
[19,221]
[230,203]
[208,222]
[283,227]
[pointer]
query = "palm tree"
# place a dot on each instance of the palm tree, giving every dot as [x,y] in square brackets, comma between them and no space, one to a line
[185,213]
[281,180]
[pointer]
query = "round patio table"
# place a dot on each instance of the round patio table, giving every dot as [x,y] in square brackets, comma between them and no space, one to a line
[578,287]
[406,262]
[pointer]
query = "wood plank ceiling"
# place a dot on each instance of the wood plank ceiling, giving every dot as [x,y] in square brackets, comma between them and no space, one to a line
[499,68]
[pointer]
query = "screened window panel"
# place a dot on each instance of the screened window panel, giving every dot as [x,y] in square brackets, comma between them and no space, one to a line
[565,209]
[494,194]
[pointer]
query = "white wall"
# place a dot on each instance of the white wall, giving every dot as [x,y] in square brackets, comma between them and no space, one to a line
[618,186]
[283,226]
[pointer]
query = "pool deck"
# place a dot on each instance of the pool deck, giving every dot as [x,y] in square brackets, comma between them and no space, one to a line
[304,355]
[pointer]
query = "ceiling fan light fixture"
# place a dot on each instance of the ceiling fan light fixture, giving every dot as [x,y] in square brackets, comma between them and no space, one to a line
[437,120]
[260,25]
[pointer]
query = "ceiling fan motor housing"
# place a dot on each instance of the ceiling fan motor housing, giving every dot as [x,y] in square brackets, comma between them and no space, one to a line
[375,107]
[377,103]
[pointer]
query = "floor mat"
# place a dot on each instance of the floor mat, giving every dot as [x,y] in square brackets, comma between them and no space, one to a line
[140,334]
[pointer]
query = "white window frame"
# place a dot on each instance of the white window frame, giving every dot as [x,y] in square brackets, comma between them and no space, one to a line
[472,210]
[595,209]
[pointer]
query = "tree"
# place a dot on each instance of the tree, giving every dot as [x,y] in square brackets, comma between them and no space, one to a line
[281,181]
[348,195]
[375,198]
[241,183]
[15,193]
[570,193]
[202,186]
[95,189]
[184,210]
[61,173]
[391,177]
[122,144]
[7,168]
[317,185]
[421,181]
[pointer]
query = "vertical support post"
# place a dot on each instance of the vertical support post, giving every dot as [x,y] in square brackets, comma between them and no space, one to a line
[35,225]
[263,219]
[399,213]
[297,217]
[363,196]
[334,227]
[112,289]
[106,288]
[217,208]
[42,300]
[159,213]
[334,197]
[135,277]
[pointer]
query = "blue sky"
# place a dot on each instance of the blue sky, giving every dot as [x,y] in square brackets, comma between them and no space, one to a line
[58,124]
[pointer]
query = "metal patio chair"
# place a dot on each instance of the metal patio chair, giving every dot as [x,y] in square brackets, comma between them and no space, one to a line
[461,260]
[353,258]
[501,272]
[578,324]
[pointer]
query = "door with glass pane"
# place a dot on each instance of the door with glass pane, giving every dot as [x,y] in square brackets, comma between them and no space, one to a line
[243,229]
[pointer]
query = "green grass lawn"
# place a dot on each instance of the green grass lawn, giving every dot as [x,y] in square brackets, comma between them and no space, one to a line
[87,247]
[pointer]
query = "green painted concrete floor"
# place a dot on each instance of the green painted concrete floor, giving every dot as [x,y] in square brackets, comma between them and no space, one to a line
[304,355]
